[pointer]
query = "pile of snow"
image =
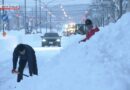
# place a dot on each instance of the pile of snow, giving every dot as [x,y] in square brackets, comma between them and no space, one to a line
[102,63]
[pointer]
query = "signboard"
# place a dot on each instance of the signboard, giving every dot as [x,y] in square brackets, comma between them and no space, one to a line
[5,17]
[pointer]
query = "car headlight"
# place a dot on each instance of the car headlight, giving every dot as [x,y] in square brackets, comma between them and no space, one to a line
[43,40]
[58,40]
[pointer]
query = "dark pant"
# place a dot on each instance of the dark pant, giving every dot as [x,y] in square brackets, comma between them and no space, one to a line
[35,70]
[33,66]
[22,64]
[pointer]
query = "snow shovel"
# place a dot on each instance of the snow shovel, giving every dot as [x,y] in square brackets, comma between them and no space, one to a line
[16,72]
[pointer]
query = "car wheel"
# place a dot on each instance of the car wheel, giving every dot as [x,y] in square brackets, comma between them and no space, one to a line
[59,45]
[43,45]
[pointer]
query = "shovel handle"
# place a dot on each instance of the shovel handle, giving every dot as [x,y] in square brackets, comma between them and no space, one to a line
[22,74]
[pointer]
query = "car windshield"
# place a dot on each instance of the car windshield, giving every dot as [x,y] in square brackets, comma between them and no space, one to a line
[51,34]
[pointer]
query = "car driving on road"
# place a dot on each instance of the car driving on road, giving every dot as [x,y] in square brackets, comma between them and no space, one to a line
[51,39]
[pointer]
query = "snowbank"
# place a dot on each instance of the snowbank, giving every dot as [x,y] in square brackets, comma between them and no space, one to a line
[101,63]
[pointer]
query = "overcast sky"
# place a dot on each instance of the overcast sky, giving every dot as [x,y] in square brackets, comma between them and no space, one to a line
[50,2]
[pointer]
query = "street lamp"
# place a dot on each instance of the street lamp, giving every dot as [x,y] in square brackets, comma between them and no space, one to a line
[45,5]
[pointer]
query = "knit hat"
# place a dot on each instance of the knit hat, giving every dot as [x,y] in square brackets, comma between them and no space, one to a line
[20,47]
[88,22]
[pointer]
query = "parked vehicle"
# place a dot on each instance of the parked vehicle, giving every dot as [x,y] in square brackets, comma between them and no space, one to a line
[81,29]
[69,29]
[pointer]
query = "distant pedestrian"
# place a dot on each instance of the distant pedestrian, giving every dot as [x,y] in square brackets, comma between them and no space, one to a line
[91,30]
[25,54]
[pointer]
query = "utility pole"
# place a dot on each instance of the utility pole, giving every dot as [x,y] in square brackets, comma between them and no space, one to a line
[128,7]
[50,23]
[3,14]
[36,25]
[0,19]
[120,6]
[25,24]
[46,4]
[46,21]
[40,14]
[103,14]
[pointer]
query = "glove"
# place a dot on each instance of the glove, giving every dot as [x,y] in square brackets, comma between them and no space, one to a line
[80,41]
[13,70]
